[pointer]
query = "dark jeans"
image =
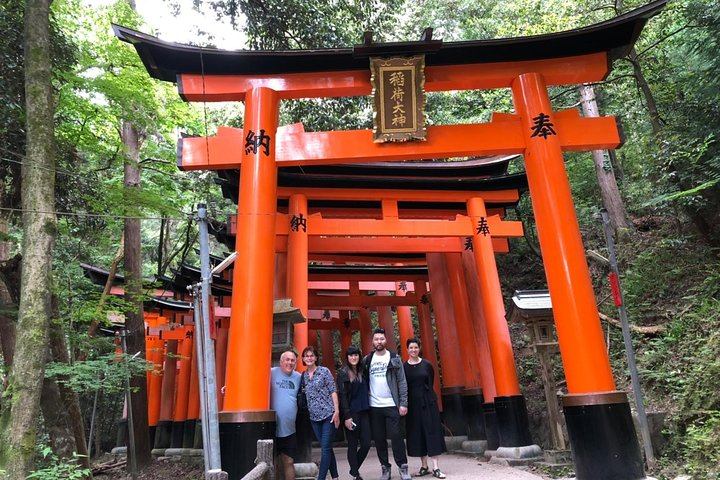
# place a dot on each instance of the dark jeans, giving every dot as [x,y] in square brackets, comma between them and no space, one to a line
[356,456]
[386,422]
[324,432]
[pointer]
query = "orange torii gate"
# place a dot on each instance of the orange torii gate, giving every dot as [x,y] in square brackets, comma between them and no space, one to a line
[435,196]
[598,416]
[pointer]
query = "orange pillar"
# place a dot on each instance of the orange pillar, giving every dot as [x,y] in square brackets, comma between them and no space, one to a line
[251,321]
[487,377]
[592,404]
[365,331]
[327,350]
[510,407]
[450,359]
[427,337]
[385,320]
[193,411]
[182,392]
[297,268]
[167,396]
[472,399]
[582,346]
[405,326]
[221,342]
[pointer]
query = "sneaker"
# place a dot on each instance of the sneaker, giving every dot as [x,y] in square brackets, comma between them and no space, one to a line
[385,473]
[404,475]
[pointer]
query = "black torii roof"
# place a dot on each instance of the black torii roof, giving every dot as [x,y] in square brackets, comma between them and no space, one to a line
[165,60]
[485,173]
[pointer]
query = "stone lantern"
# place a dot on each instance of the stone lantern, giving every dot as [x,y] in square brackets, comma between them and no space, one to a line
[534,309]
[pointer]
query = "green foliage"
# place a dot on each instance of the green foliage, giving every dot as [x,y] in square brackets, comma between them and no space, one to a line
[701,443]
[107,372]
[55,469]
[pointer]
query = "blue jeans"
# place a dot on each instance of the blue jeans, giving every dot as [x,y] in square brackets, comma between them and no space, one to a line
[324,432]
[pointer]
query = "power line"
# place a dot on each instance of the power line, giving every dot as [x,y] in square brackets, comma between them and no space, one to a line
[95,215]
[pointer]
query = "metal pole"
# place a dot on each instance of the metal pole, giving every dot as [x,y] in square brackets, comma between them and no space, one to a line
[213,445]
[92,423]
[131,429]
[194,289]
[629,351]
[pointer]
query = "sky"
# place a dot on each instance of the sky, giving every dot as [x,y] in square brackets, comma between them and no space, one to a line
[183,28]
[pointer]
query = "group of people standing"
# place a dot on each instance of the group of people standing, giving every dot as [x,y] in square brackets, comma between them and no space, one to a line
[368,398]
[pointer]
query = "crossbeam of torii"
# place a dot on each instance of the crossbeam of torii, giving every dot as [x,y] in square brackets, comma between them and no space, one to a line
[598,417]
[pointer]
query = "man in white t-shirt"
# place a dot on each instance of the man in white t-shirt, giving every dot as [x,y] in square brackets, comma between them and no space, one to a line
[388,402]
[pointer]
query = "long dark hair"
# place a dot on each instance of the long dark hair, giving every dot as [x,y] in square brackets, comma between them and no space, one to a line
[355,372]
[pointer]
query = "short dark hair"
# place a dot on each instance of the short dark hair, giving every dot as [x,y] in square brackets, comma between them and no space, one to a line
[379,330]
[412,340]
[313,350]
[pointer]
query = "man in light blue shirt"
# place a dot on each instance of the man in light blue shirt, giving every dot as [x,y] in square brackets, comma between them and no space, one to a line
[284,386]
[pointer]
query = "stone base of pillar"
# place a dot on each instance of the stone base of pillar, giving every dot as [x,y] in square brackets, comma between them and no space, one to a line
[162,434]
[239,433]
[472,404]
[189,434]
[452,415]
[305,436]
[198,443]
[474,446]
[512,421]
[491,429]
[455,444]
[176,434]
[602,436]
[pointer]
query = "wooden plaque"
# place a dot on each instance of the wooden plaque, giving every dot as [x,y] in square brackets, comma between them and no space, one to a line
[398,98]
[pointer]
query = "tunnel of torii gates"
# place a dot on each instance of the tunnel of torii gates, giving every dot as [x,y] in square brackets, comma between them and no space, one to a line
[598,417]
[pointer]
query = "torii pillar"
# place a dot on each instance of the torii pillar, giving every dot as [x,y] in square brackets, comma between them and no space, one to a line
[598,417]
[246,417]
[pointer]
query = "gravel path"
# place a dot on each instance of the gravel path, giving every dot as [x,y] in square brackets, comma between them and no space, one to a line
[456,467]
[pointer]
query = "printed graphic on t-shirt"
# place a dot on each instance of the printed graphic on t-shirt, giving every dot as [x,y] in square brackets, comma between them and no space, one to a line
[380,395]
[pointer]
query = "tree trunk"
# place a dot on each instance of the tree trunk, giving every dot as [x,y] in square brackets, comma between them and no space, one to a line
[21,402]
[603,170]
[56,421]
[134,319]
[92,331]
[59,351]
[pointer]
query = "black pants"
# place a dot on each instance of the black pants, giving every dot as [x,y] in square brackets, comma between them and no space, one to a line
[361,434]
[386,422]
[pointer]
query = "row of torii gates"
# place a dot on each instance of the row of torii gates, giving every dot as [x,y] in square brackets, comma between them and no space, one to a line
[323,213]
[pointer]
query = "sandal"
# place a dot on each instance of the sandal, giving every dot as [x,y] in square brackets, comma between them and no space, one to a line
[438,474]
[423,471]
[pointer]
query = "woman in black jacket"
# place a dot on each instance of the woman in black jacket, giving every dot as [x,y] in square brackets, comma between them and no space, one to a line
[353,392]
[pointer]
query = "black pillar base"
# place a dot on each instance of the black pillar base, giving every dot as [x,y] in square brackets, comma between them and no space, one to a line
[239,433]
[189,433]
[162,434]
[152,430]
[198,443]
[452,415]
[512,421]
[602,435]
[472,404]
[176,435]
[491,427]
[122,433]
[304,434]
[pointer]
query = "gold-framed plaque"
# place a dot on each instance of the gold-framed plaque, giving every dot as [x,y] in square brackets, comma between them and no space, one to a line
[398,98]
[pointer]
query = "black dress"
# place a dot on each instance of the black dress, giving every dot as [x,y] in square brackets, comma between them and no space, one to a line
[425,434]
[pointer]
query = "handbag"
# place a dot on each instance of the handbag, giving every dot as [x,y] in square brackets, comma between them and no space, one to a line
[301,398]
